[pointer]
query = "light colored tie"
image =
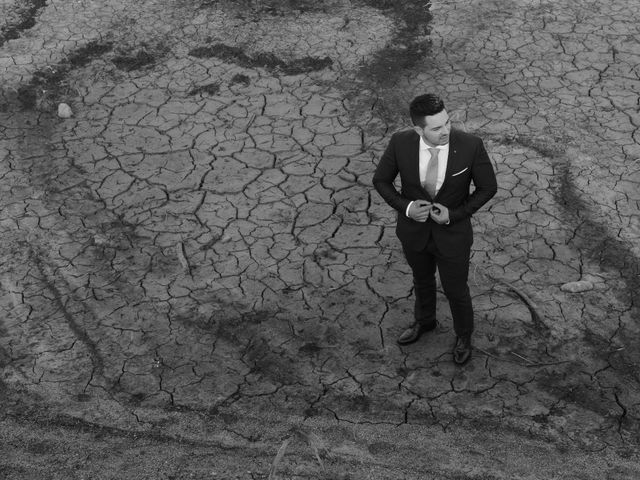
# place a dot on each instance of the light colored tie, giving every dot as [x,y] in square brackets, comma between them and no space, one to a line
[431,178]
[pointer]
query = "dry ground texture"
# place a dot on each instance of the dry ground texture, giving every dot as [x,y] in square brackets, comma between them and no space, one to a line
[199,282]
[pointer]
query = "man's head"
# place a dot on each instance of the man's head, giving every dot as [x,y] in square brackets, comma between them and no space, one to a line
[430,119]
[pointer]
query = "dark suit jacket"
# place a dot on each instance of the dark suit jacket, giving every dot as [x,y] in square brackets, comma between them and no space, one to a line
[468,161]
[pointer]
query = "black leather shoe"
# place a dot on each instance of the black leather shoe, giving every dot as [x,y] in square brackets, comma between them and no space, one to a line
[462,350]
[414,332]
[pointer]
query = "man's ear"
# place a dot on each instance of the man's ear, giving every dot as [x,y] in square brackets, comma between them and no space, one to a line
[417,129]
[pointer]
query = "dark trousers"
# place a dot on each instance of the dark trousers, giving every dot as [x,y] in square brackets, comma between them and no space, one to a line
[454,272]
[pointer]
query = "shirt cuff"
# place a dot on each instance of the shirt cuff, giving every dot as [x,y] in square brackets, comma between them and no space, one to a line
[408,207]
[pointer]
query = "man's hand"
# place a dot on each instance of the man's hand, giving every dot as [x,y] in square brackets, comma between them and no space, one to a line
[419,210]
[439,213]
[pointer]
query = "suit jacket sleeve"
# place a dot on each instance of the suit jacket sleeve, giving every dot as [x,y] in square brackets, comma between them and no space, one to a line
[385,175]
[485,185]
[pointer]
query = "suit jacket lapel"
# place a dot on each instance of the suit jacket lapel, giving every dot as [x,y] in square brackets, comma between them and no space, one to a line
[414,158]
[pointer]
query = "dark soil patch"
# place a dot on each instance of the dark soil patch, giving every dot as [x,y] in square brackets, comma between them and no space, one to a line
[410,44]
[26,20]
[134,61]
[209,89]
[595,241]
[267,61]
[409,47]
[240,79]
[45,83]
[48,85]
[84,55]
[274,7]
[146,55]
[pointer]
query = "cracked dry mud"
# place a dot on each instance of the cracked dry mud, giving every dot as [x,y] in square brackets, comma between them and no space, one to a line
[198,280]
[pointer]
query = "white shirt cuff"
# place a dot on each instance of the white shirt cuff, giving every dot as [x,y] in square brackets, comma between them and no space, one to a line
[408,207]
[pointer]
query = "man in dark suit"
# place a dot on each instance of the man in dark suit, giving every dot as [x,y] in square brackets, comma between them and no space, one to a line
[436,166]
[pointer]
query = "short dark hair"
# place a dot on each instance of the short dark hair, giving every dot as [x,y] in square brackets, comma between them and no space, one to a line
[424,105]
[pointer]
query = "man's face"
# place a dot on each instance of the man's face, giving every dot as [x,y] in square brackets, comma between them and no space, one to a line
[436,130]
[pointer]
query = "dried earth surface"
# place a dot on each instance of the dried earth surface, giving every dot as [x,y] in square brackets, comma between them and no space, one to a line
[198,280]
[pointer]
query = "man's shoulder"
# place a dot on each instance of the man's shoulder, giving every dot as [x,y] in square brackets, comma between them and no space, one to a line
[405,134]
[465,137]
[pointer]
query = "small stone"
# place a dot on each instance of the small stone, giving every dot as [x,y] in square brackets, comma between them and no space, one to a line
[577,287]
[64,111]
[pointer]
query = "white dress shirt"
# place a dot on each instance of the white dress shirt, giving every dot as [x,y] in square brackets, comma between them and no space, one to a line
[425,158]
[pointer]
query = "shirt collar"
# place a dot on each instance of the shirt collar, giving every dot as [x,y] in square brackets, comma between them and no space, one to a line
[424,146]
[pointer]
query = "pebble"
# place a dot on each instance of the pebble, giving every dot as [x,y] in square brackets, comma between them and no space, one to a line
[64,111]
